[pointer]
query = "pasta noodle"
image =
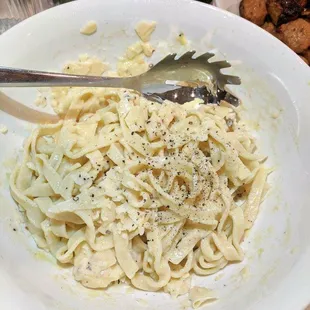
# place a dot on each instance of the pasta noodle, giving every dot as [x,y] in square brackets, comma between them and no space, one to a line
[200,295]
[125,189]
[135,190]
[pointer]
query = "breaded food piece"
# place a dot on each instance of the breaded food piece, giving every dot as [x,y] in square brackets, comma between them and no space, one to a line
[279,35]
[306,55]
[296,35]
[283,11]
[304,59]
[254,11]
[269,27]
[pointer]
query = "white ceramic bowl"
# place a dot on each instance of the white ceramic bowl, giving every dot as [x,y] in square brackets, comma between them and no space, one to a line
[229,5]
[275,91]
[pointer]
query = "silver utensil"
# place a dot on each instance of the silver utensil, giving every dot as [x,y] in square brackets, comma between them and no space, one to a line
[179,79]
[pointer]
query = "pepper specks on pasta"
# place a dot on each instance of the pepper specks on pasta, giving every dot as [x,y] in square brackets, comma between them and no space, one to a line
[150,197]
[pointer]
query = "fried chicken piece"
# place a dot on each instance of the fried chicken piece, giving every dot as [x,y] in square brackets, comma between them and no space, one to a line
[254,11]
[283,11]
[296,35]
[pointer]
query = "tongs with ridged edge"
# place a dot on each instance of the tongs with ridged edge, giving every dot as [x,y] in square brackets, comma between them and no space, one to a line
[180,79]
[196,78]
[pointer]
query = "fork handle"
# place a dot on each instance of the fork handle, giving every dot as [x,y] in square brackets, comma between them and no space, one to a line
[11,77]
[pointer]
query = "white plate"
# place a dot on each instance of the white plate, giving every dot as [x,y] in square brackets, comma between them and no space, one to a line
[276,92]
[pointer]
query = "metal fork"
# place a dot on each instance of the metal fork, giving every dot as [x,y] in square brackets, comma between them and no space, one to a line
[179,79]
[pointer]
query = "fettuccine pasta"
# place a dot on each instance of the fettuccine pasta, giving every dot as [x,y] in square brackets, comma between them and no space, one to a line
[131,190]
[124,189]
